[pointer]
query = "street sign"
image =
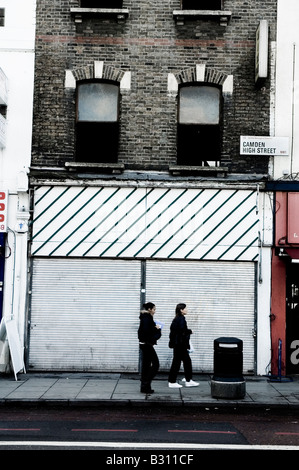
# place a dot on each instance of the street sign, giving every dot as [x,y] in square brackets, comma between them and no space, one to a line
[263,145]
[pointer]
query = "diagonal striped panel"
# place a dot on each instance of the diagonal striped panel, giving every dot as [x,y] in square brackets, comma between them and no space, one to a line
[145,223]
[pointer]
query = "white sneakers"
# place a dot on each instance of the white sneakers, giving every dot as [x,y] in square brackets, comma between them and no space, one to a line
[174,385]
[191,383]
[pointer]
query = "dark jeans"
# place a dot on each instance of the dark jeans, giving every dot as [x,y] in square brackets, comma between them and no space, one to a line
[149,365]
[180,354]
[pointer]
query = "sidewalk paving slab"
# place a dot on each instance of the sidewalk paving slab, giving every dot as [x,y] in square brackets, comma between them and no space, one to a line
[105,389]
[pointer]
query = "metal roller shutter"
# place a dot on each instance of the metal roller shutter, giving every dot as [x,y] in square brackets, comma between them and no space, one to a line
[220,297]
[84,314]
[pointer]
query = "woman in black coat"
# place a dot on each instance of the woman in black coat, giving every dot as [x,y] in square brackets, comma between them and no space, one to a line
[179,340]
[148,334]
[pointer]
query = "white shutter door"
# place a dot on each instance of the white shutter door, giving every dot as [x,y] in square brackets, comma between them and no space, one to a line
[220,297]
[84,314]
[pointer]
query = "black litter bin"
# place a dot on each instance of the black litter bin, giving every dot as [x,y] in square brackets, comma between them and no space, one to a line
[228,380]
[228,358]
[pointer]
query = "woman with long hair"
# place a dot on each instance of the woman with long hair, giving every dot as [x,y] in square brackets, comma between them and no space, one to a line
[148,334]
[179,339]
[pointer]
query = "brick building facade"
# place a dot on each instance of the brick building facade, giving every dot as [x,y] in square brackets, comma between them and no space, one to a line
[150,44]
[162,207]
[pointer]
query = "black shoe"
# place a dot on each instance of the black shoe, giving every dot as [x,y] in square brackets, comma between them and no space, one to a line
[147,390]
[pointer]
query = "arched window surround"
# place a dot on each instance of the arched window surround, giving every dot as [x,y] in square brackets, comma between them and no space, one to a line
[98,71]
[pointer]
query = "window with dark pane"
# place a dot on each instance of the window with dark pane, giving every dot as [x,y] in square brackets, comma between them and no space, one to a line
[202,4]
[199,125]
[97,127]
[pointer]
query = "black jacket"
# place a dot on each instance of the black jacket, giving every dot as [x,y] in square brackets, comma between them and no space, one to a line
[147,331]
[179,333]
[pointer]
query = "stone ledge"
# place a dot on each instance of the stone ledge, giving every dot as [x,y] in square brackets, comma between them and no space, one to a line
[120,14]
[223,15]
[102,167]
[204,170]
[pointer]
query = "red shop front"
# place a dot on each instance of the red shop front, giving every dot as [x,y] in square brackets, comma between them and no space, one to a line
[285,285]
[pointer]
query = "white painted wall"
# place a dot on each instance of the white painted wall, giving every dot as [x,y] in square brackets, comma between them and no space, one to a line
[263,340]
[18,67]
[19,30]
[287,86]
[17,40]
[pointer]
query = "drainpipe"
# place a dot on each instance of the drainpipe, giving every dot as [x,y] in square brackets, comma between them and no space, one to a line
[13,273]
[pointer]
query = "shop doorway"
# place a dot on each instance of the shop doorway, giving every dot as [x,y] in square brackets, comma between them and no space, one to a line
[292,319]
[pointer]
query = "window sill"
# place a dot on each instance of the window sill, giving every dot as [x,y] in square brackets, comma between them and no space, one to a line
[98,167]
[120,14]
[181,15]
[198,170]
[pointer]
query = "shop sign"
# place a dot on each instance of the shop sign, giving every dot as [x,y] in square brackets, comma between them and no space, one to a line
[268,146]
[293,222]
[3,211]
